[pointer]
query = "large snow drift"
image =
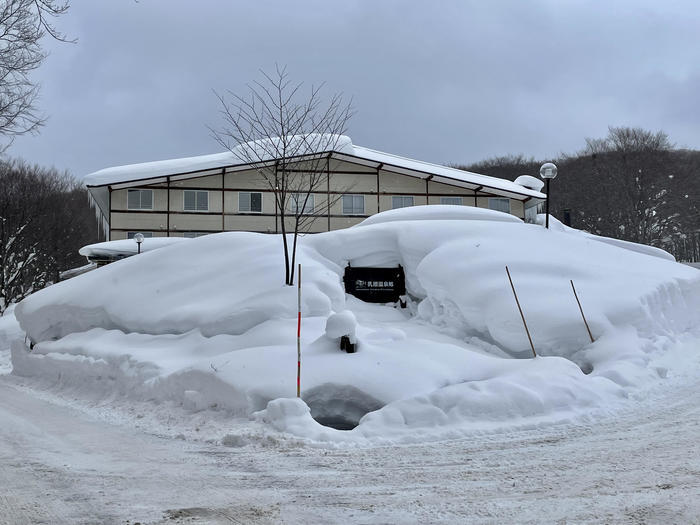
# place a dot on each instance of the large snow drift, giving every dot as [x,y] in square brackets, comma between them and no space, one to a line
[208,323]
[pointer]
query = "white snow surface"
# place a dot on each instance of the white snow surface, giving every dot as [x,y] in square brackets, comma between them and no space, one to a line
[159,168]
[528,181]
[438,212]
[126,247]
[556,224]
[340,324]
[209,324]
[294,145]
[9,331]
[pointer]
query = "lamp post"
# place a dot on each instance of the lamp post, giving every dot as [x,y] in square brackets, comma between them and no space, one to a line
[139,239]
[548,171]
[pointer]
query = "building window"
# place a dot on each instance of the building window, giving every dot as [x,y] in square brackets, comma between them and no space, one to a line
[192,235]
[296,203]
[401,202]
[455,201]
[146,235]
[353,204]
[196,200]
[139,199]
[499,204]
[250,202]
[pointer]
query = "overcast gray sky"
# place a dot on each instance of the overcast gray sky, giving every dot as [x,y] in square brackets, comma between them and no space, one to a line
[452,81]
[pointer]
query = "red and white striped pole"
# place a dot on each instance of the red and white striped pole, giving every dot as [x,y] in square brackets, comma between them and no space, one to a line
[299,333]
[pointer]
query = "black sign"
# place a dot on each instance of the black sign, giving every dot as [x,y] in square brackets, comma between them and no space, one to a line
[375,285]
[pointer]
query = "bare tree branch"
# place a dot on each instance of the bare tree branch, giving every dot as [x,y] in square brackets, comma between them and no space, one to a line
[23,23]
[285,137]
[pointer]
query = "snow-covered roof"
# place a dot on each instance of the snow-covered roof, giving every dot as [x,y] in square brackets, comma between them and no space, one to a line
[443,174]
[160,168]
[340,147]
[126,247]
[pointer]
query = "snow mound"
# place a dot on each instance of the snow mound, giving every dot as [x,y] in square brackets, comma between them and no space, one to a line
[219,284]
[438,212]
[528,181]
[209,325]
[340,324]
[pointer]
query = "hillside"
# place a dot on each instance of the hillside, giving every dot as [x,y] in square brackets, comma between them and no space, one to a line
[632,185]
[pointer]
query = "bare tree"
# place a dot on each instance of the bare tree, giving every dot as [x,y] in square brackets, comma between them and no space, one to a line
[631,167]
[44,220]
[287,137]
[632,184]
[23,23]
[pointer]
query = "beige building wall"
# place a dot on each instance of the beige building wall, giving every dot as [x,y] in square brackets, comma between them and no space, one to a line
[438,188]
[194,222]
[224,211]
[121,235]
[396,183]
[467,199]
[354,183]
[517,208]
[139,221]
[265,224]
[208,182]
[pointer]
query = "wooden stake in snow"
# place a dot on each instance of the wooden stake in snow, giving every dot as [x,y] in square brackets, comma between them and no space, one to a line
[299,332]
[581,309]
[521,313]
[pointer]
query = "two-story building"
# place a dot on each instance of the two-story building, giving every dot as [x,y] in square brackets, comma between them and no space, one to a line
[225,192]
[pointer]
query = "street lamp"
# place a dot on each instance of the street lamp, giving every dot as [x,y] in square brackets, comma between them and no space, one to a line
[139,239]
[548,171]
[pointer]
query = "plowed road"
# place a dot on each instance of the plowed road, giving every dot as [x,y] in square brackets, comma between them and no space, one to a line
[59,465]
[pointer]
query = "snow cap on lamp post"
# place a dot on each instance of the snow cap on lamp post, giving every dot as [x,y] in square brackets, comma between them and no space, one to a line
[547,171]
[139,239]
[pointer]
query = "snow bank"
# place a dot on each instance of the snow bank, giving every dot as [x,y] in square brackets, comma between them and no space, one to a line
[9,331]
[209,324]
[555,224]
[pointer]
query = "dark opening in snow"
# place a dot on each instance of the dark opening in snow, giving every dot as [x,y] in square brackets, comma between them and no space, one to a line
[337,422]
[586,368]
[339,406]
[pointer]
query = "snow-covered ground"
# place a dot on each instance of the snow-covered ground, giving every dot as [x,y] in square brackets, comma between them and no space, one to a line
[161,387]
[68,461]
